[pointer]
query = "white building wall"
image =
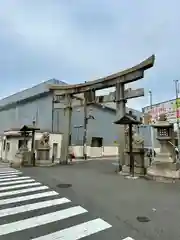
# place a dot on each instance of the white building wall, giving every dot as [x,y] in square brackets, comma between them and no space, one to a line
[10,155]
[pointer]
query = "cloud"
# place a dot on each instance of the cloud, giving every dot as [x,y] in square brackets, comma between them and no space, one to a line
[77,40]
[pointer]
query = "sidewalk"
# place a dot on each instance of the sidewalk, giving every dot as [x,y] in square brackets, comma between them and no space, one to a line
[4,165]
[101,157]
[95,158]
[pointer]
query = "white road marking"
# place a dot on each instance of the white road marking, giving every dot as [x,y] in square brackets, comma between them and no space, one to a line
[116,164]
[40,220]
[16,182]
[33,206]
[28,197]
[128,238]
[79,231]
[9,173]
[7,169]
[19,186]
[26,190]
[12,179]
[7,176]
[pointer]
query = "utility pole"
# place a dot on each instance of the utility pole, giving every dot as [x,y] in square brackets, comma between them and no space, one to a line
[177,116]
[69,109]
[33,159]
[152,130]
[85,128]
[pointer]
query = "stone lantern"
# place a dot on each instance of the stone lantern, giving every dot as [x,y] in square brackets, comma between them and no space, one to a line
[164,165]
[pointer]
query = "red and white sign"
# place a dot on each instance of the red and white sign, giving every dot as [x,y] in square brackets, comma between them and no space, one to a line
[169,108]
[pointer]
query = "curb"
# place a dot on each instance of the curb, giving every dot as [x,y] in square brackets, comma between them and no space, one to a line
[102,157]
[162,179]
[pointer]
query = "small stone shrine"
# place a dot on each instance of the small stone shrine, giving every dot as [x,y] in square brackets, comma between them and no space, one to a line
[43,149]
[164,165]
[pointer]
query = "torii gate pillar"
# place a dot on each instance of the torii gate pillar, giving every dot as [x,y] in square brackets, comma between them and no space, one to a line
[120,112]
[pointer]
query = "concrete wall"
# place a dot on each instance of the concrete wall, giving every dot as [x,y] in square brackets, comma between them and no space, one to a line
[95,151]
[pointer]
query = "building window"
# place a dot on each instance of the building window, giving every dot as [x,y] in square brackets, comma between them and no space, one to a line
[8,146]
[55,150]
[97,142]
[21,143]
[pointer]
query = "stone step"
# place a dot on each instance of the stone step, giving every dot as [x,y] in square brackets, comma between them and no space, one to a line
[165,165]
[160,171]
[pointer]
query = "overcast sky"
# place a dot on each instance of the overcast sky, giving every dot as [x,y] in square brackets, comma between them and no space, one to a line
[81,40]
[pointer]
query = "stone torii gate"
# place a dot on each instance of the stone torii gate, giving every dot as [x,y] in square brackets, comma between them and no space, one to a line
[117,80]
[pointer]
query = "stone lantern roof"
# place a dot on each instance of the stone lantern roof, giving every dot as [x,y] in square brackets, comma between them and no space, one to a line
[162,122]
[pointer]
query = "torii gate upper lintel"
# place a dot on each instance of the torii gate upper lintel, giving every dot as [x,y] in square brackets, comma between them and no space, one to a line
[129,75]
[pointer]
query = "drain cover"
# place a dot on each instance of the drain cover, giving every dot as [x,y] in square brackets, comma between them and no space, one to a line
[143,219]
[64,185]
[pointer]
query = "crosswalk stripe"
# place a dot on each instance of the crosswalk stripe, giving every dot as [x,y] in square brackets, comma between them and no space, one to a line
[7,169]
[16,182]
[19,186]
[79,231]
[128,238]
[40,220]
[28,197]
[7,176]
[10,173]
[13,178]
[27,190]
[33,206]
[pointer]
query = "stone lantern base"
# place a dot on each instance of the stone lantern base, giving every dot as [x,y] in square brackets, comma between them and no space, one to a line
[163,168]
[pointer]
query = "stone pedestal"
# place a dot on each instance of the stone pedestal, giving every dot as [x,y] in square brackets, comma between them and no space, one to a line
[43,156]
[139,165]
[17,161]
[164,166]
[138,154]
[21,158]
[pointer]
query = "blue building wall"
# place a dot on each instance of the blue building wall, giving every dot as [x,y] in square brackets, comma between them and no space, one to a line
[102,126]
[24,113]
[145,131]
[25,106]
[36,103]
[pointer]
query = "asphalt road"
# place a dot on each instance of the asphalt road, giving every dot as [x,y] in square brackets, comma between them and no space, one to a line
[110,204]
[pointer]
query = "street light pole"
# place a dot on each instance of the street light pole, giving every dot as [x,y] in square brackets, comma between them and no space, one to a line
[177,116]
[152,130]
